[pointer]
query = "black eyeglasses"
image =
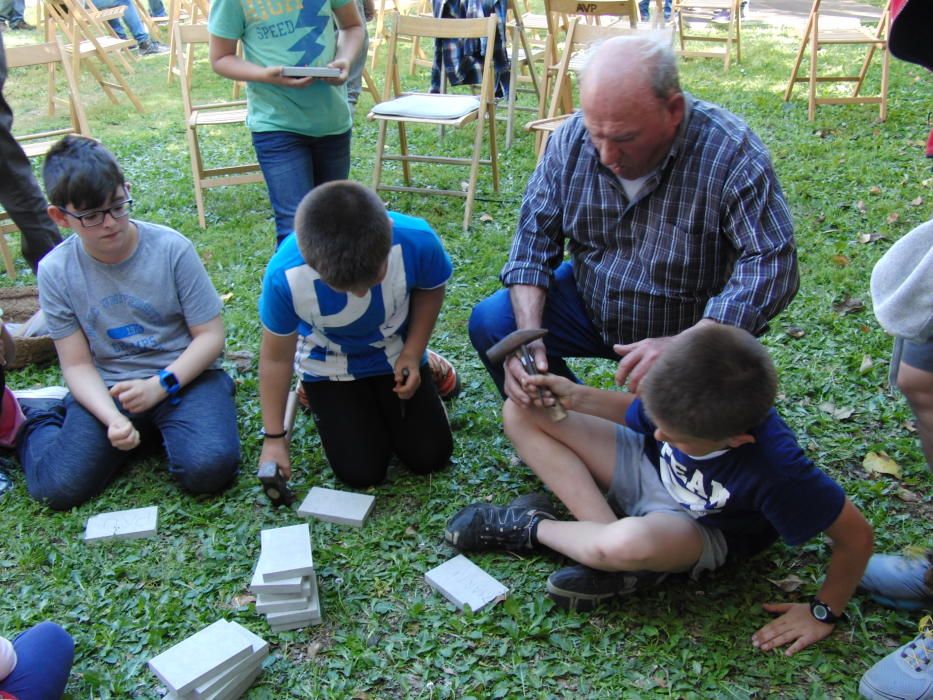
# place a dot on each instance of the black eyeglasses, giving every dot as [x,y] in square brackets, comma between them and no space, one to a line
[96,218]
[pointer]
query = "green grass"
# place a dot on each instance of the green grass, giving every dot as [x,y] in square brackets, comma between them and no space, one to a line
[385,633]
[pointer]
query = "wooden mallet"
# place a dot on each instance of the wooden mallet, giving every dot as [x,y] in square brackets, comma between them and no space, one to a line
[516,343]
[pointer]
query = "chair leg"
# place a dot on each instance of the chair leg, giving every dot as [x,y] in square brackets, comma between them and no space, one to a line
[493,146]
[380,149]
[403,149]
[7,257]
[885,56]
[814,47]
[197,167]
[474,169]
[804,42]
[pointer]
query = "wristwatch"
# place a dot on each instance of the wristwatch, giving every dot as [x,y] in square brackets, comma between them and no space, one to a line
[822,612]
[170,383]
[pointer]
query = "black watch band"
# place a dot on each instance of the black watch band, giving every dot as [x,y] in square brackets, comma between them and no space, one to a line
[823,613]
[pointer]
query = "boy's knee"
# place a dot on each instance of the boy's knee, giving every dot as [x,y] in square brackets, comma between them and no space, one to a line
[61,495]
[209,473]
[915,384]
[431,459]
[55,639]
[612,548]
[517,421]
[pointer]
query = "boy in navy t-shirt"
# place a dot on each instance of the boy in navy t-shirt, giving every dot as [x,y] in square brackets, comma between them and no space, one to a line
[357,290]
[701,464]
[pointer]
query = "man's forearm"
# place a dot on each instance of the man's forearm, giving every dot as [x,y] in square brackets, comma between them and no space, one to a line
[527,305]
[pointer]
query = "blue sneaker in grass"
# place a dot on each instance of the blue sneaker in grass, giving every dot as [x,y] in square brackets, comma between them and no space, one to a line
[899,582]
[904,674]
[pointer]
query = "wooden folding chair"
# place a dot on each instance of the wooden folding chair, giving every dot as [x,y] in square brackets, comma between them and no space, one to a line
[154,25]
[207,115]
[87,36]
[185,12]
[527,52]
[683,11]
[37,143]
[446,110]
[816,39]
[581,39]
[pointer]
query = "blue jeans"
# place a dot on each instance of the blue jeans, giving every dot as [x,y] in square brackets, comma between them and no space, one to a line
[570,331]
[68,459]
[156,8]
[44,654]
[643,8]
[130,19]
[293,164]
[12,10]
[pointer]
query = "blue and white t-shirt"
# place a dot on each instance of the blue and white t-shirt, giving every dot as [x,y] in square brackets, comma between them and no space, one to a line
[348,337]
[752,493]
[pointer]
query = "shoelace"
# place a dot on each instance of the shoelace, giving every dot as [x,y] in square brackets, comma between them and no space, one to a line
[919,653]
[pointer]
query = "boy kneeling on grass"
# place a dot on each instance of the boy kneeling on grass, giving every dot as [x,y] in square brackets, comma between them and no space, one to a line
[358,289]
[137,327]
[701,465]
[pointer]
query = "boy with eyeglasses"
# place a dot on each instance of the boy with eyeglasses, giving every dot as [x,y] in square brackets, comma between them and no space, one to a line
[137,327]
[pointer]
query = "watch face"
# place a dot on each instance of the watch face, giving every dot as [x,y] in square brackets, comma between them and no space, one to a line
[820,612]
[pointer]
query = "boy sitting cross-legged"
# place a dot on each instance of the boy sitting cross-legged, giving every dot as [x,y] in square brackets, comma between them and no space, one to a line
[137,327]
[702,466]
[358,290]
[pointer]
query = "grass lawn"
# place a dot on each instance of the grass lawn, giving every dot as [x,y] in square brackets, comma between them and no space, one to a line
[385,633]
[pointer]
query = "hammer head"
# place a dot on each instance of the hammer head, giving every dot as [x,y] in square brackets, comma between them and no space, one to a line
[512,342]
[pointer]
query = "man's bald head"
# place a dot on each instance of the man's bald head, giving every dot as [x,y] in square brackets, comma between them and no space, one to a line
[632,103]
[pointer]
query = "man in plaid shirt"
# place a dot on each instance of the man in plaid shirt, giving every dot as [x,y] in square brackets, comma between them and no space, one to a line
[671,212]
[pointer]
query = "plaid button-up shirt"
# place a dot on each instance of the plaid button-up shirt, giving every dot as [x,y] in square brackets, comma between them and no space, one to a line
[708,236]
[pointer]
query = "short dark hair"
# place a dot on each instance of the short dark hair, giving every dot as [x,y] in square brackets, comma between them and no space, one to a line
[79,171]
[344,233]
[713,382]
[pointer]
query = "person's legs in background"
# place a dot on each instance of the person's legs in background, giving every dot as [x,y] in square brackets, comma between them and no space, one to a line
[131,19]
[44,656]
[355,81]
[293,164]
[20,195]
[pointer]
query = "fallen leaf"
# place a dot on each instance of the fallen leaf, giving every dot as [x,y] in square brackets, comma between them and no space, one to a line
[821,218]
[910,426]
[789,584]
[241,601]
[840,414]
[870,237]
[860,205]
[226,297]
[907,496]
[795,332]
[849,305]
[893,217]
[241,359]
[313,649]
[411,531]
[880,463]
[813,446]
[866,364]
[840,260]
[916,202]
[486,217]
[464,186]
[874,189]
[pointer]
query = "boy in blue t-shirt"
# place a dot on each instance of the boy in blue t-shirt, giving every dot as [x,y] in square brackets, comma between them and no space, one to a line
[701,464]
[358,290]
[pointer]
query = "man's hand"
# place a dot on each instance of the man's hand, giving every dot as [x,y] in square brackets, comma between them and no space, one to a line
[273,75]
[276,450]
[407,376]
[796,626]
[637,359]
[515,374]
[122,434]
[556,388]
[138,395]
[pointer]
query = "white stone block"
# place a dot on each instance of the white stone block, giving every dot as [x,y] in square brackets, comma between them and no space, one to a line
[311,611]
[343,507]
[122,524]
[260,650]
[463,583]
[291,586]
[271,602]
[201,656]
[286,553]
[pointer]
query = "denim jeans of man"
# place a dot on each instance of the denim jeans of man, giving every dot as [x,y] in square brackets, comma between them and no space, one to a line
[644,4]
[130,19]
[44,655]
[67,457]
[294,164]
[570,331]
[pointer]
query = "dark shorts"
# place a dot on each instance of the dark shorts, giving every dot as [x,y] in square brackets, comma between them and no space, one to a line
[918,355]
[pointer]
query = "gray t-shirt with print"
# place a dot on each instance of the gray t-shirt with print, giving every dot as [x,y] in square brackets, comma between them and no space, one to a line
[135,314]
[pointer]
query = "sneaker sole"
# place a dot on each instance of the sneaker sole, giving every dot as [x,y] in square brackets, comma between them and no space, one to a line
[580,602]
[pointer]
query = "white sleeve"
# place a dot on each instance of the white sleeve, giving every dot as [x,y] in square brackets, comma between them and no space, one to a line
[7,658]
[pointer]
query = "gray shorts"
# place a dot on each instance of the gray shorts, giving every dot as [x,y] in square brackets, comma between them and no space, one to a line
[918,355]
[636,489]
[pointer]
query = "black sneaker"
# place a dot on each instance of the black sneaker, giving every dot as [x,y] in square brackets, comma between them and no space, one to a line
[484,526]
[151,48]
[581,588]
[21,25]
[537,500]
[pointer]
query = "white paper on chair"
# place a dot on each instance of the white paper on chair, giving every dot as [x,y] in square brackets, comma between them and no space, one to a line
[428,106]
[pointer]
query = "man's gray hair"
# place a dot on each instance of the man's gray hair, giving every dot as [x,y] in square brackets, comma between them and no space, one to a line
[656,56]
